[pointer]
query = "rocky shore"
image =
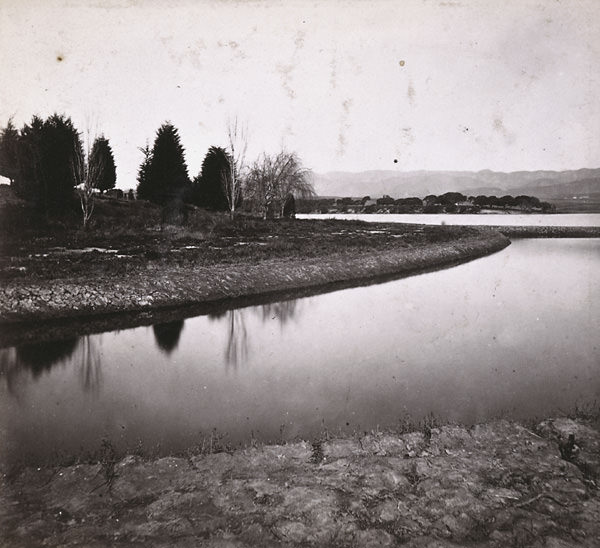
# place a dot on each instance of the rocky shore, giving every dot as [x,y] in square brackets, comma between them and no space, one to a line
[25,303]
[493,485]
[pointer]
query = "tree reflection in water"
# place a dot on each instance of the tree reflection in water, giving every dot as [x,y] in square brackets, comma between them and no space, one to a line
[167,335]
[237,348]
[40,357]
[284,311]
[90,367]
[9,369]
[237,340]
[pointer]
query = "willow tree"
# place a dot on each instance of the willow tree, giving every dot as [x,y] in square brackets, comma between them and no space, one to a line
[273,180]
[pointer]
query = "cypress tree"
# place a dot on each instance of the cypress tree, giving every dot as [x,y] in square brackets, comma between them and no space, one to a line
[9,143]
[46,153]
[101,157]
[142,174]
[27,183]
[163,176]
[210,190]
[59,145]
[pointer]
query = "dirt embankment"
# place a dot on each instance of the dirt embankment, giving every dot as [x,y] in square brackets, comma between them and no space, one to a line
[177,285]
[546,231]
[492,485]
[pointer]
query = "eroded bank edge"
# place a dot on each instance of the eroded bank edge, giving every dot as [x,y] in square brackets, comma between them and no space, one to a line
[52,310]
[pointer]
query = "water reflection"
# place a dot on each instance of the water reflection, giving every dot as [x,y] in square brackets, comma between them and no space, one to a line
[283,311]
[236,351]
[40,357]
[236,348]
[514,333]
[90,368]
[8,369]
[167,335]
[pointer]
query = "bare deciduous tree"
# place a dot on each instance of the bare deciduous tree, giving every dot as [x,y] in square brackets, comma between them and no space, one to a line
[89,171]
[237,144]
[84,182]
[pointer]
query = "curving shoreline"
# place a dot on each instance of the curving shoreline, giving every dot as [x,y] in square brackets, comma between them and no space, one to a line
[489,485]
[146,295]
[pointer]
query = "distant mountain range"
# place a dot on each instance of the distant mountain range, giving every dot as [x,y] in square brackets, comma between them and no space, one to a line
[546,185]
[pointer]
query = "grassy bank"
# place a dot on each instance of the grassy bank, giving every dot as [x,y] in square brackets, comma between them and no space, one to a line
[493,485]
[140,274]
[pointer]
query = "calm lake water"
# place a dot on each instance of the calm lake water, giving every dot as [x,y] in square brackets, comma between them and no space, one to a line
[514,334]
[492,219]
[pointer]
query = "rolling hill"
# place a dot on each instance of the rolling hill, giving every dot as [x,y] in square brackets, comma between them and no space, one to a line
[545,185]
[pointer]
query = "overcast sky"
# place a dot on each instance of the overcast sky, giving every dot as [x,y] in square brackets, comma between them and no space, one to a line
[349,85]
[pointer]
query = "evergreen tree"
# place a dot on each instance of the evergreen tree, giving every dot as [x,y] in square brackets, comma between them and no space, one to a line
[165,177]
[209,189]
[46,153]
[9,144]
[142,174]
[210,186]
[27,183]
[101,159]
[60,145]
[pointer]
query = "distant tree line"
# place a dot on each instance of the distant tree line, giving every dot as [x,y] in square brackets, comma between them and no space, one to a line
[450,202]
[49,165]
[268,187]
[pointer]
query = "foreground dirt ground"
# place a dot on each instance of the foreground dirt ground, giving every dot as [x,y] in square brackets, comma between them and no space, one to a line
[499,484]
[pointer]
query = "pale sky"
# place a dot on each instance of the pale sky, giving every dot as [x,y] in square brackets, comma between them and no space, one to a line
[348,85]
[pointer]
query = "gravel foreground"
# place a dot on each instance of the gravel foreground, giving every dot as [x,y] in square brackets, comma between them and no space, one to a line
[493,485]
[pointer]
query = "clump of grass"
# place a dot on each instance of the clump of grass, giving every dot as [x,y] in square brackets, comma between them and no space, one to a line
[317,456]
[407,424]
[588,411]
[427,424]
[413,476]
[215,442]
[107,458]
